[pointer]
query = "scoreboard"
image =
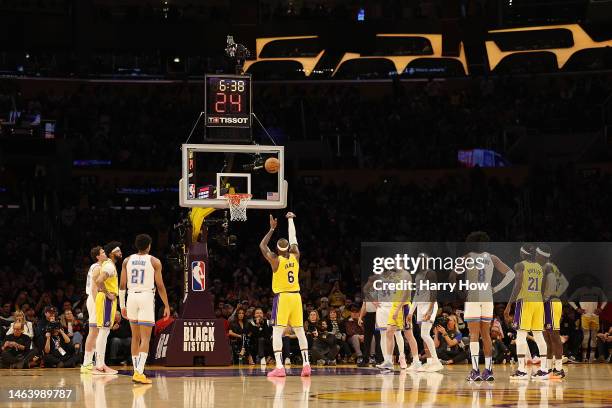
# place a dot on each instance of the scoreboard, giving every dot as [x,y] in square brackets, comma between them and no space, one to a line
[228,110]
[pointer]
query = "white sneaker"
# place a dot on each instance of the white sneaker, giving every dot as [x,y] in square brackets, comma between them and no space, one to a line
[434,366]
[423,367]
[385,366]
[263,361]
[402,362]
[415,366]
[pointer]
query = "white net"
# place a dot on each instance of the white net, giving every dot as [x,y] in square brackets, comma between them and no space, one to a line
[238,206]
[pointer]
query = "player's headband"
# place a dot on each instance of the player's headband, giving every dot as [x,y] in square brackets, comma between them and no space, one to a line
[117,249]
[543,253]
[524,251]
[280,248]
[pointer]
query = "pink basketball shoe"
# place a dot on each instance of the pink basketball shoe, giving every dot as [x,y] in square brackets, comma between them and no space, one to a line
[277,372]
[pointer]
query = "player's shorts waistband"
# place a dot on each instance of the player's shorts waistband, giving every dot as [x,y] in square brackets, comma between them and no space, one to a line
[141,291]
[280,293]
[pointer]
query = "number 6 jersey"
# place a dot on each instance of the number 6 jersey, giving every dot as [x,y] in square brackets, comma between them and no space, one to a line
[285,279]
[140,273]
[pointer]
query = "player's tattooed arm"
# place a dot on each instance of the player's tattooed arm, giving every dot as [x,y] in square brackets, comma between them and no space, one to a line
[263,245]
[102,276]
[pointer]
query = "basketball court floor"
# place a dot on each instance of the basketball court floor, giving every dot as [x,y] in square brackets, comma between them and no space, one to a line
[237,387]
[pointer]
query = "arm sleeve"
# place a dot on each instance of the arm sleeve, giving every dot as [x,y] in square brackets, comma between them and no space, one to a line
[292,234]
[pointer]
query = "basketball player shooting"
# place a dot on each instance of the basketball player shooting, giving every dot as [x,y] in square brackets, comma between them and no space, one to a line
[145,273]
[106,304]
[287,306]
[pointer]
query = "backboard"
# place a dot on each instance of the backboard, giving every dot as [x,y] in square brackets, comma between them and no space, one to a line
[211,170]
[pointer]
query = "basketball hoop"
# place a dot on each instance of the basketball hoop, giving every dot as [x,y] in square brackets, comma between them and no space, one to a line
[238,205]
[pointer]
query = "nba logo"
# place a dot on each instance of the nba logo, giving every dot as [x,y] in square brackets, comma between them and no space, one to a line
[191,194]
[198,280]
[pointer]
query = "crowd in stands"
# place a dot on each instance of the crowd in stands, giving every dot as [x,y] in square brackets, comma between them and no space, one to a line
[406,125]
[43,250]
[43,263]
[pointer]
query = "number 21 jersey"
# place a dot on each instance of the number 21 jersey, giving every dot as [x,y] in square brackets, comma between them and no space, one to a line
[141,275]
[531,287]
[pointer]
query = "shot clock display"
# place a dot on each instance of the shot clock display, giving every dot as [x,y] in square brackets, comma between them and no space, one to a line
[228,101]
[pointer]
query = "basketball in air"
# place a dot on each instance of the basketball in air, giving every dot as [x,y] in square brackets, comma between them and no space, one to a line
[272,165]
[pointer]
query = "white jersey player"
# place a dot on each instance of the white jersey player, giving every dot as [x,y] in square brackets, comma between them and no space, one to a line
[140,274]
[479,303]
[425,305]
[99,256]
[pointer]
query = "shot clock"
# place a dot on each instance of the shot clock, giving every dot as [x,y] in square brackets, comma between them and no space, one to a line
[228,101]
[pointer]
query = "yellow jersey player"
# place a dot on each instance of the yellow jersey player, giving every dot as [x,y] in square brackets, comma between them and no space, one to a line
[107,283]
[98,256]
[555,285]
[391,313]
[591,302]
[528,312]
[287,307]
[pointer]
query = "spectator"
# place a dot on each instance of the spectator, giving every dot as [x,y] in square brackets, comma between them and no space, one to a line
[260,335]
[291,346]
[323,308]
[604,344]
[500,351]
[27,327]
[119,341]
[6,318]
[447,339]
[239,339]
[355,334]
[324,348]
[58,350]
[72,327]
[336,297]
[337,328]
[44,303]
[16,349]
[41,328]
[571,335]
[311,326]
